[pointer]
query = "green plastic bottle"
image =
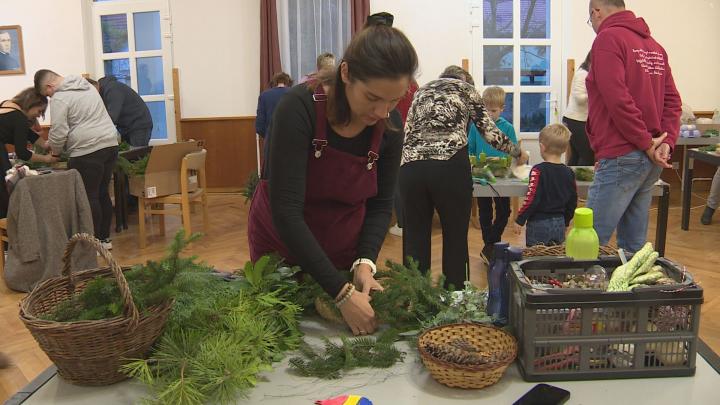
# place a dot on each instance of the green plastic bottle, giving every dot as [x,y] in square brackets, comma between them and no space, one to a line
[582,242]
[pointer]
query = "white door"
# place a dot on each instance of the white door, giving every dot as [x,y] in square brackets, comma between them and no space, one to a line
[133,42]
[516,45]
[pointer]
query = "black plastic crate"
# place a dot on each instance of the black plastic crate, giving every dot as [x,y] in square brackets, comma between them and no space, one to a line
[575,334]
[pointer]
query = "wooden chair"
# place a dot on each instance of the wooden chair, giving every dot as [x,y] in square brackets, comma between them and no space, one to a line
[193,165]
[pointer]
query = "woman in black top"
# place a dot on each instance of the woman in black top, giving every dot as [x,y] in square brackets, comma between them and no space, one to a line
[17,117]
[325,198]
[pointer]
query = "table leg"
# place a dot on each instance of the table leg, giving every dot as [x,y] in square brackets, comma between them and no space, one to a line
[662,220]
[126,195]
[686,192]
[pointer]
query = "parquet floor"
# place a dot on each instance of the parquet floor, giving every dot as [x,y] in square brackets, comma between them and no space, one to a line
[225,247]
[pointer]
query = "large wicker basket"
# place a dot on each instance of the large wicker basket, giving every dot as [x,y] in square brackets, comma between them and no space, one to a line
[90,352]
[484,338]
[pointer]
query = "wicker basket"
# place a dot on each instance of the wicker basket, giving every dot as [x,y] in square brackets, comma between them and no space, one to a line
[484,338]
[90,352]
[559,250]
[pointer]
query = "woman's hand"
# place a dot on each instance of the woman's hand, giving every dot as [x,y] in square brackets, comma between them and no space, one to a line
[48,158]
[359,314]
[364,280]
[523,158]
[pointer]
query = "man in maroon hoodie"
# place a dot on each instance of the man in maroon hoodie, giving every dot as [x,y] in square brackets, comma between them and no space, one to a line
[633,121]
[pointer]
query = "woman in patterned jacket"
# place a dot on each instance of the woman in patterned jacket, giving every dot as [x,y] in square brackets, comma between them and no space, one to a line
[435,169]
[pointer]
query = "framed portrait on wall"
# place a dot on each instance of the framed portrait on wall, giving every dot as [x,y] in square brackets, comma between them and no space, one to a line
[12,59]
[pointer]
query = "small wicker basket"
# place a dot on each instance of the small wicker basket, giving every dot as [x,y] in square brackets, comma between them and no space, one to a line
[559,250]
[484,338]
[90,352]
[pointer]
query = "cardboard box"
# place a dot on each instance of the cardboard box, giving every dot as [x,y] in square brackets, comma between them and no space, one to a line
[706,127]
[162,176]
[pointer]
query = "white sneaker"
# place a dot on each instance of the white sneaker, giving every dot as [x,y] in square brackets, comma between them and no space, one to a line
[107,244]
[396,230]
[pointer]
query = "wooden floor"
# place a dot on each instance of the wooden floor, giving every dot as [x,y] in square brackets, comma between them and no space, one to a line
[225,247]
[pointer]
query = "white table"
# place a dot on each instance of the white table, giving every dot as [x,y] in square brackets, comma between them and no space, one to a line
[409,383]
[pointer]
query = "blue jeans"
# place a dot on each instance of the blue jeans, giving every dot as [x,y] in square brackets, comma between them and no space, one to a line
[546,231]
[620,198]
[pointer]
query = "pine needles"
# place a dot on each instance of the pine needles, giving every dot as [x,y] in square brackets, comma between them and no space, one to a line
[222,333]
[151,284]
[352,353]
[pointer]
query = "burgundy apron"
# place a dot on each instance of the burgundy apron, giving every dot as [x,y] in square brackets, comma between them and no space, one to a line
[337,186]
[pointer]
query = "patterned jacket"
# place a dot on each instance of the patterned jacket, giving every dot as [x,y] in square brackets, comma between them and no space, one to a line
[436,126]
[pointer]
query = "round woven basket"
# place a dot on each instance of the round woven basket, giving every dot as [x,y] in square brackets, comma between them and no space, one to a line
[90,352]
[559,250]
[484,338]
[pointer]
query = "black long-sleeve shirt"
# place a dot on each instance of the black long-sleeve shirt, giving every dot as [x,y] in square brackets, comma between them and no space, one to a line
[15,130]
[552,192]
[292,131]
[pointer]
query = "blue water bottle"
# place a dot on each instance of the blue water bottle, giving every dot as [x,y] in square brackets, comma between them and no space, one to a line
[496,279]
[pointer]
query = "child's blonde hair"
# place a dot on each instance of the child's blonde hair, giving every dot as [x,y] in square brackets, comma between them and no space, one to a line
[555,138]
[494,97]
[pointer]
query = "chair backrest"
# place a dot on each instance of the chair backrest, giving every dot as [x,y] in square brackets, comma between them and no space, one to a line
[193,162]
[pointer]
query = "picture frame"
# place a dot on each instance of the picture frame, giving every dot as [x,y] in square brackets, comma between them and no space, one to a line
[12,56]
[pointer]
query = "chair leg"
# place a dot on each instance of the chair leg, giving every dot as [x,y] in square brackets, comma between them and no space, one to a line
[206,222]
[185,207]
[141,222]
[161,218]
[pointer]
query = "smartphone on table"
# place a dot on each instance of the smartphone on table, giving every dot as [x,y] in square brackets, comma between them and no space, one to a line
[544,394]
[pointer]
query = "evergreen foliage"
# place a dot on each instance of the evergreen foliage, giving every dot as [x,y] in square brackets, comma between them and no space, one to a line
[352,353]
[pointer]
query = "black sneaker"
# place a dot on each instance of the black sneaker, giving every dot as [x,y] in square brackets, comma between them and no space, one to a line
[707,215]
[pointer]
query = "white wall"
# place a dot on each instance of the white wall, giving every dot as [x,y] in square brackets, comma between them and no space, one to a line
[688,30]
[216,47]
[53,39]
[439,30]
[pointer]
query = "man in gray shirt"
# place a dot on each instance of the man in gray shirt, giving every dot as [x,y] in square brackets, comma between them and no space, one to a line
[82,127]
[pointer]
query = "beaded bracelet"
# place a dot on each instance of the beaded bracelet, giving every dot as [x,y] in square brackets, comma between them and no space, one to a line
[346,296]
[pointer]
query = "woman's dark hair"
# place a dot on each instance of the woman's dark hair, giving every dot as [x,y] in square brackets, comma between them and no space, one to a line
[586,63]
[281,77]
[456,72]
[30,98]
[377,52]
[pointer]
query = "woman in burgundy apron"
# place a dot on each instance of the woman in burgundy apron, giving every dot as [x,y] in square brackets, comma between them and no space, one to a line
[325,195]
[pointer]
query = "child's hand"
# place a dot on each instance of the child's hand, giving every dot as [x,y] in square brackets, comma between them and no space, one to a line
[517,229]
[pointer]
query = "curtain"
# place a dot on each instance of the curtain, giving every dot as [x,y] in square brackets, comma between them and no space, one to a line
[269,43]
[308,28]
[360,11]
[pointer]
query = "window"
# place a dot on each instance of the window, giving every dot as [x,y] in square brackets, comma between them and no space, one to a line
[130,45]
[516,45]
[308,28]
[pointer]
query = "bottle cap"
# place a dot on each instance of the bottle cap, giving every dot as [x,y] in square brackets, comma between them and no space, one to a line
[501,246]
[583,218]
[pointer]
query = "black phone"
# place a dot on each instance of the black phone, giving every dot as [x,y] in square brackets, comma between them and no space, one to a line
[544,394]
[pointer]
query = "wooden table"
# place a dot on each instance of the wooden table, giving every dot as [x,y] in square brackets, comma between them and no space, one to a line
[690,157]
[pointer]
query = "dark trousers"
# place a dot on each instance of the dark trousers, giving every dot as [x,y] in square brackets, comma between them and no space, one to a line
[96,170]
[445,186]
[546,231]
[397,204]
[580,152]
[492,230]
[138,137]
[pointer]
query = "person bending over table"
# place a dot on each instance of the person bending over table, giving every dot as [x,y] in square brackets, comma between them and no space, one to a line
[325,197]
